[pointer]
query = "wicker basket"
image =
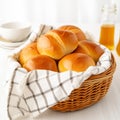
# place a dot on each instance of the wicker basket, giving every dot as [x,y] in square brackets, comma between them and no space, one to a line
[90,92]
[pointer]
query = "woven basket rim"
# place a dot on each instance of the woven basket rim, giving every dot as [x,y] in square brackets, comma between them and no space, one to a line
[106,73]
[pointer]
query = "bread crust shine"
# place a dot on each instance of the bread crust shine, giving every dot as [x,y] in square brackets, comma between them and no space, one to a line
[76,62]
[41,62]
[90,48]
[57,43]
[28,52]
[78,32]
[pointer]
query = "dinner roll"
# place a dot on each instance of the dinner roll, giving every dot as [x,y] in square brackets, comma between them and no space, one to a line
[76,62]
[78,32]
[90,48]
[57,43]
[41,62]
[28,52]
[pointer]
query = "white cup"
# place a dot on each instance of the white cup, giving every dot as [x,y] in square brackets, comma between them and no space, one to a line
[15,31]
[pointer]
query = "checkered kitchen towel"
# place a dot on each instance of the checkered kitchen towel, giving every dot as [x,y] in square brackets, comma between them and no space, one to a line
[31,93]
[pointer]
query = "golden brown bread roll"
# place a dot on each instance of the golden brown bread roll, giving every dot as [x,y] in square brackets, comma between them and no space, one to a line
[28,52]
[78,32]
[90,48]
[57,43]
[76,62]
[41,62]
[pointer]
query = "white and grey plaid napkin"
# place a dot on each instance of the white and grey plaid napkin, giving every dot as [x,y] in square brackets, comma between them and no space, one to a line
[31,93]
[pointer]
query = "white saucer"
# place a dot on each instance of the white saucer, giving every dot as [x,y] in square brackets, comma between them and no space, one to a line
[10,45]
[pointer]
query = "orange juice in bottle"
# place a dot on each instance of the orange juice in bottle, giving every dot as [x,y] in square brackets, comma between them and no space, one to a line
[118,47]
[107,28]
[107,35]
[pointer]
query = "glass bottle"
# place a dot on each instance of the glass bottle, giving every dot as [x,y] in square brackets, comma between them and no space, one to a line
[107,29]
[118,47]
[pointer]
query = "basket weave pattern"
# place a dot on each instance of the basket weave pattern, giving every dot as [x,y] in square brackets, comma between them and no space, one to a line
[90,92]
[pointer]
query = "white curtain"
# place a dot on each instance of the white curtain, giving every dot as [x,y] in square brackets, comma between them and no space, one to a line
[53,11]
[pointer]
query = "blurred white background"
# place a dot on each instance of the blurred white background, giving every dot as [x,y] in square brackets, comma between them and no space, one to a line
[54,11]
